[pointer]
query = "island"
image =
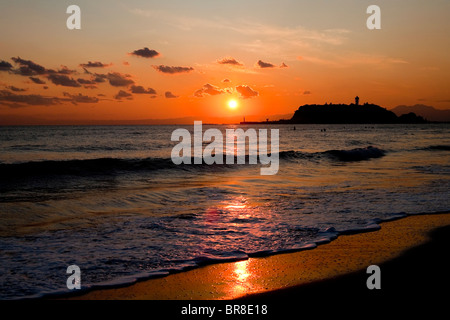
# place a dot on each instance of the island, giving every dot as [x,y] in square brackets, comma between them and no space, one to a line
[353,113]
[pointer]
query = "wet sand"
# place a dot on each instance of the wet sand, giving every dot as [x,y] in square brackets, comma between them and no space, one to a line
[411,252]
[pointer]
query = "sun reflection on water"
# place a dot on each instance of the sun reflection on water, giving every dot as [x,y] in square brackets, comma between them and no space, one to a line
[241,271]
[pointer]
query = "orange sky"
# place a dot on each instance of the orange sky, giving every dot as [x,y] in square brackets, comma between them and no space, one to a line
[275,55]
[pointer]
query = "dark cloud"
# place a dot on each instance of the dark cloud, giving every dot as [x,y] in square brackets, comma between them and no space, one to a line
[20,100]
[12,105]
[63,80]
[173,70]
[226,80]
[80,98]
[145,53]
[123,94]
[28,67]
[306,92]
[208,89]
[246,92]
[7,97]
[85,81]
[263,64]
[284,65]
[230,61]
[15,89]
[90,86]
[99,78]
[37,80]
[142,90]
[117,79]
[170,95]
[5,65]
[95,64]
[63,70]
[24,71]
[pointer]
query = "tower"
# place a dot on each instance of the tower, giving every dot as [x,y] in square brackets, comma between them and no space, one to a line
[357,100]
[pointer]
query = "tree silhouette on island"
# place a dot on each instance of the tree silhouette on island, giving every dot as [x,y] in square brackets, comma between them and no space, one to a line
[353,113]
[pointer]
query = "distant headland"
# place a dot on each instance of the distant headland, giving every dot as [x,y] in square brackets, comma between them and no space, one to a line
[353,113]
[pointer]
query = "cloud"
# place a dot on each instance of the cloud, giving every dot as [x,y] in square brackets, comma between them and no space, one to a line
[226,80]
[173,70]
[306,92]
[63,80]
[353,59]
[142,90]
[99,78]
[5,65]
[208,89]
[15,89]
[117,79]
[263,64]
[123,94]
[90,86]
[230,61]
[170,95]
[13,100]
[63,70]
[80,98]
[28,67]
[246,92]
[96,64]
[27,99]
[85,81]
[145,53]
[284,65]
[24,71]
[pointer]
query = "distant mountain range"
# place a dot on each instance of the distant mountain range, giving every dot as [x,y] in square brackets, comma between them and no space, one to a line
[428,112]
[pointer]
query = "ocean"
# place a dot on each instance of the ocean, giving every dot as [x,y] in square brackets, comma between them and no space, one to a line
[110,200]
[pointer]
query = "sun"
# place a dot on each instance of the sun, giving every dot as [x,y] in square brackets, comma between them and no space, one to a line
[232,104]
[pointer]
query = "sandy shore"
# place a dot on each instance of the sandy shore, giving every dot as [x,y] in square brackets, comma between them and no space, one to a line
[343,260]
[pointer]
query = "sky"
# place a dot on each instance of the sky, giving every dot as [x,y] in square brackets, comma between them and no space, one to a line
[143,59]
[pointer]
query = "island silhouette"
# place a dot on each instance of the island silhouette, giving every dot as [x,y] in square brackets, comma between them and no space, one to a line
[353,113]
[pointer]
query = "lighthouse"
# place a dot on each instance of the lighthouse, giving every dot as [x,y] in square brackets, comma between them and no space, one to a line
[357,100]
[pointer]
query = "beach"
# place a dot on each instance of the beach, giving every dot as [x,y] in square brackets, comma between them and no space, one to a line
[339,266]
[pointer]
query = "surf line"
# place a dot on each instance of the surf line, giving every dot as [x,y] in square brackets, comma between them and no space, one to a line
[235,147]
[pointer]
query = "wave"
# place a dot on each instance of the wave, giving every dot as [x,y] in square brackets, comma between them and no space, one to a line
[182,265]
[82,167]
[437,148]
[106,166]
[357,154]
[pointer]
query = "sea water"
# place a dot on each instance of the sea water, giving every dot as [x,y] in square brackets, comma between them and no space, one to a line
[110,200]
